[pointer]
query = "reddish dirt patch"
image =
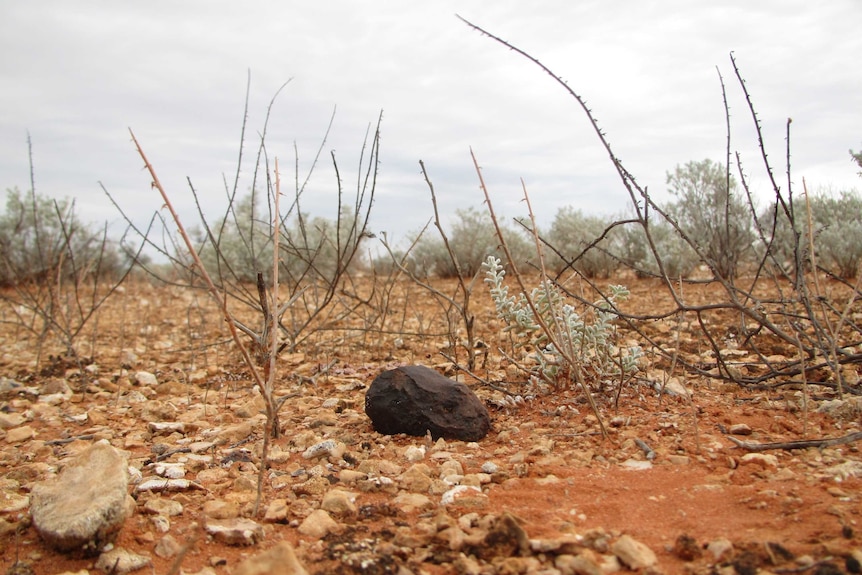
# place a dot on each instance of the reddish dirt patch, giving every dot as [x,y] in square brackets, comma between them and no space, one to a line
[560,477]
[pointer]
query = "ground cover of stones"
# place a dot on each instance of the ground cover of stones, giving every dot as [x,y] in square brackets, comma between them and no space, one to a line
[666,492]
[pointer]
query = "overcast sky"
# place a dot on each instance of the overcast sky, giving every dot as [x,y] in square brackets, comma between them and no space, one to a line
[76,75]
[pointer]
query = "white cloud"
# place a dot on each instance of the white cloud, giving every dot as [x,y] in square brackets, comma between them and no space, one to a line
[77,75]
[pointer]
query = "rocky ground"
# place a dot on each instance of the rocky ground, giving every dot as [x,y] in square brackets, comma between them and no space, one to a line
[668,491]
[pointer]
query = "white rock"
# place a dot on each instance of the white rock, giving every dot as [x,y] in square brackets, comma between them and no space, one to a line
[146,378]
[87,503]
[279,560]
[633,553]
[318,524]
[237,531]
[414,453]
[119,560]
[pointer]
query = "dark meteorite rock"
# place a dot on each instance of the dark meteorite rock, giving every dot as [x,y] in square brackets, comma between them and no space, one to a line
[415,400]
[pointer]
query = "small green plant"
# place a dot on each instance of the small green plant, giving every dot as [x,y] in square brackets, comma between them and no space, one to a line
[593,341]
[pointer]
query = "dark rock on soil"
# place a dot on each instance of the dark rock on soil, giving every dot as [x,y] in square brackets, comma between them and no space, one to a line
[416,400]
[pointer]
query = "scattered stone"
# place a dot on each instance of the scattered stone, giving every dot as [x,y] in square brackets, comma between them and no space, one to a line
[277,511]
[633,553]
[11,502]
[166,427]
[465,496]
[170,470]
[505,538]
[686,548]
[220,509]
[417,479]
[720,549]
[20,434]
[318,524]
[237,531]
[87,503]
[675,387]
[408,502]
[637,464]
[329,448]
[414,453]
[167,547]
[161,506]
[10,420]
[146,378]
[417,400]
[119,560]
[679,459]
[278,560]
[762,459]
[740,429]
[339,503]
[159,484]
[577,565]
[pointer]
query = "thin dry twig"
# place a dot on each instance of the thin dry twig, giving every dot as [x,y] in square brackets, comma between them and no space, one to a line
[798,444]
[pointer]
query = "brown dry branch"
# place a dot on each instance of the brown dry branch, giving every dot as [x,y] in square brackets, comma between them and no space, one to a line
[797,318]
[263,386]
[456,306]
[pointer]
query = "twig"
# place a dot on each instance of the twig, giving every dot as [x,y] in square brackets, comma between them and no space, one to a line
[481,380]
[799,444]
[70,439]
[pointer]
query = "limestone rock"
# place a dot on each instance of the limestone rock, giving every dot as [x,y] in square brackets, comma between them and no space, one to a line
[239,531]
[20,434]
[417,400]
[86,505]
[318,524]
[633,553]
[339,503]
[146,378]
[167,547]
[279,560]
[119,561]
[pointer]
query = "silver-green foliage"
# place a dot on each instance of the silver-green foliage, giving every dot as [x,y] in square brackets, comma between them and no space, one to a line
[712,214]
[592,342]
[472,238]
[837,233]
[576,236]
[676,256]
[42,238]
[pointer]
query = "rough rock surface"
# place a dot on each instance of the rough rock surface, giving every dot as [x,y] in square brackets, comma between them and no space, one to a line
[417,400]
[86,505]
[279,560]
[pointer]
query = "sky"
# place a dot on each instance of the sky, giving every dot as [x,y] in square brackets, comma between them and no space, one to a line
[76,76]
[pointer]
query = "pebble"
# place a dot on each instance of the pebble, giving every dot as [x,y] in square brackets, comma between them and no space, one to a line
[634,554]
[762,459]
[236,531]
[20,434]
[146,378]
[318,524]
[120,560]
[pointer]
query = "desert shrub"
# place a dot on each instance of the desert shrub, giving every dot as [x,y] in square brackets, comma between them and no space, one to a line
[678,259]
[241,243]
[574,236]
[472,238]
[42,237]
[590,338]
[837,233]
[712,214]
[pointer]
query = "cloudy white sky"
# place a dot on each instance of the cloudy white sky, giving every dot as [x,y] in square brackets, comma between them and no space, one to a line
[77,75]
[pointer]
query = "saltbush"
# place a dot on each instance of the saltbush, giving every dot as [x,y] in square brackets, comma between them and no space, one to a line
[590,339]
